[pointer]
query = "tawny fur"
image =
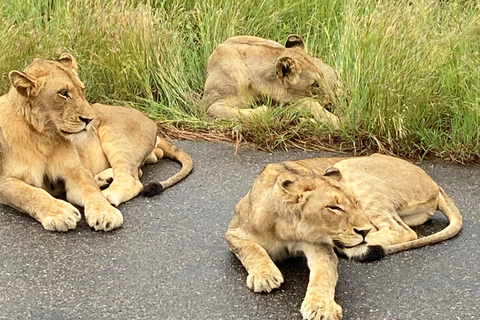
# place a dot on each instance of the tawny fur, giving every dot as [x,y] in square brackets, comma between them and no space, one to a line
[51,138]
[363,207]
[246,69]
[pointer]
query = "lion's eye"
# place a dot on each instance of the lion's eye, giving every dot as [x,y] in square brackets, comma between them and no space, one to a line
[315,84]
[335,208]
[63,94]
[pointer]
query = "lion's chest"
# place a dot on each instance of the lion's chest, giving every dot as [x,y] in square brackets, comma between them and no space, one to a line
[92,155]
[29,167]
[35,163]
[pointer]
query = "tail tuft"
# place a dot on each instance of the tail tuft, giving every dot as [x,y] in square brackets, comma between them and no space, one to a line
[374,253]
[151,189]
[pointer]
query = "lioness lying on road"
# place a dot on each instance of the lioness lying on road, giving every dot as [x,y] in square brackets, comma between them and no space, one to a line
[364,207]
[246,69]
[51,138]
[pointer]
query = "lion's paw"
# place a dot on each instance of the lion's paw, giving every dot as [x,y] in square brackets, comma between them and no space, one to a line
[113,197]
[265,279]
[102,216]
[118,193]
[250,113]
[320,309]
[104,178]
[62,217]
[261,110]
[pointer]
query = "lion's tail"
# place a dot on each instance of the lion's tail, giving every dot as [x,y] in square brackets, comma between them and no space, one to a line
[172,152]
[450,210]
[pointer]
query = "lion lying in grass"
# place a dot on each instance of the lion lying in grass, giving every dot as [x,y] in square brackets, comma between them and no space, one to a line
[363,207]
[52,139]
[246,69]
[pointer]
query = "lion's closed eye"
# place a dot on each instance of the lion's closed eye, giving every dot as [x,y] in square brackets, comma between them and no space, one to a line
[63,94]
[335,208]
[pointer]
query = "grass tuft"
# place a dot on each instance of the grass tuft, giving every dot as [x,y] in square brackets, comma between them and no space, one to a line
[409,70]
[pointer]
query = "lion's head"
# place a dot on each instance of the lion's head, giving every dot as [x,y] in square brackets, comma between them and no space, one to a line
[321,209]
[305,76]
[51,97]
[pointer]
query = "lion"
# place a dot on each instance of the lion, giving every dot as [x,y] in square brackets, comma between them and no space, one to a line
[52,139]
[247,69]
[362,207]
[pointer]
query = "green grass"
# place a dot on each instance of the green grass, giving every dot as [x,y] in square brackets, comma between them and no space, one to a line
[410,70]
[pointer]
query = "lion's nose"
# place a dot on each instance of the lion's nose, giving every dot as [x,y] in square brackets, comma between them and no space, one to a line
[363,232]
[86,120]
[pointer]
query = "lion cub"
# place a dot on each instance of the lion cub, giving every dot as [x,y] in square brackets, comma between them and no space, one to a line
[246,69]
[50,136]
[363,207]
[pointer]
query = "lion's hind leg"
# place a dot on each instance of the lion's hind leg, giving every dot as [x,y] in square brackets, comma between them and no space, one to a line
[125,183]
[104,178]
[391,230]
[390,235]
[127,138]
[123,178]
[155,155]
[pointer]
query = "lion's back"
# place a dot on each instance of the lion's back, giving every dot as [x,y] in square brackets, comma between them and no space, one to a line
[244,52]
[241,64]
[390,177]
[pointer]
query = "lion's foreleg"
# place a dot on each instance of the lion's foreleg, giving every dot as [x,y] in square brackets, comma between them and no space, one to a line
[227,109]
[318,112]
[54,214]
[319,300]
[154,156]
[263,274]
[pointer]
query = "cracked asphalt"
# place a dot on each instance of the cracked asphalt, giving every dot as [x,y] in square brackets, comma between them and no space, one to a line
[170,259]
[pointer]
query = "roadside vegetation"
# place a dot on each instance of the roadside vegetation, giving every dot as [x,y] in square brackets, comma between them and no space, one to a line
[410,70]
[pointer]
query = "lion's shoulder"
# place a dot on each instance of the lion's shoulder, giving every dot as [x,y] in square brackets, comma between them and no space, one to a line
[251,41]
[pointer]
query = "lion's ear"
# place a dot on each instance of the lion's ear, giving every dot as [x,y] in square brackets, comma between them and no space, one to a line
[25,86]
[69,61]
[287,70]
[294,41]
[333,173]
[294,186]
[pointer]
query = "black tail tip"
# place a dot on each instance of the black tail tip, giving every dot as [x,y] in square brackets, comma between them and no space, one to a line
[373,253]
[151,189]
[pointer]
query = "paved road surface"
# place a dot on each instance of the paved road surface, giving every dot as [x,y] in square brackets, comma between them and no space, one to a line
[170,260]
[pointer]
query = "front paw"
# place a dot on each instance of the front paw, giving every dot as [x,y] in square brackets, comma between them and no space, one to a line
[264,279]
[251,113]
[320,309]
[100,215]
[62,217]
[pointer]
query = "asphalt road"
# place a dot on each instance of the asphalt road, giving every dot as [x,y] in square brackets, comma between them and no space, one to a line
[170,260]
